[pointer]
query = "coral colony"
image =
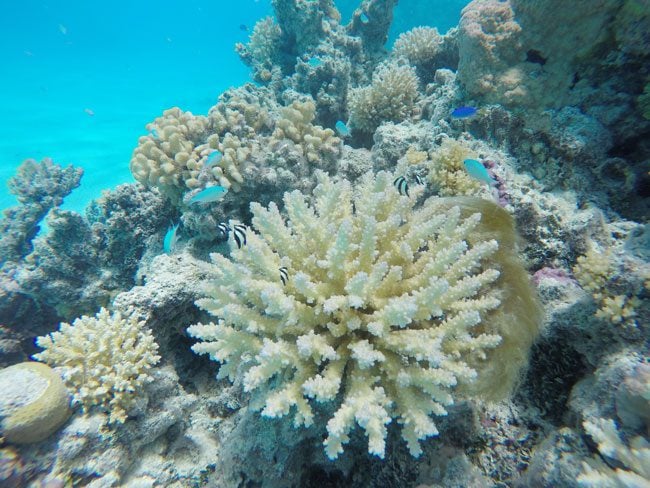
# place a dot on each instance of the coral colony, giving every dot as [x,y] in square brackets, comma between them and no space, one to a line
[330,275]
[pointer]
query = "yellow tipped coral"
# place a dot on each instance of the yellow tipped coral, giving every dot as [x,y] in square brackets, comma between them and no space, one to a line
[366,299]
[446,171]
[105,360]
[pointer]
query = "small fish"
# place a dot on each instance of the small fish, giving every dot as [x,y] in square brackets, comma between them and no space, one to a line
[401,185]
[419,180]
[243,27]
[154,133]
[342,129]
[28,53]
[89,111]
[364,18]
[209,194]
[63,29]
[239,233]
[224,229]
[477,171]
[314,62]
[463,112]
[170,240]
[214,158]
[284,275]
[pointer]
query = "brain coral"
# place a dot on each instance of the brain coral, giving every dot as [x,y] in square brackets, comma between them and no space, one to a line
[105,360]
[389,98]
[368,301]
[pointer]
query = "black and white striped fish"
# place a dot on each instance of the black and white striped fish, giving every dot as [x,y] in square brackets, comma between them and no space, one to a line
[419,180]
[224,229]
[401,185]
[284,275]
[239,233]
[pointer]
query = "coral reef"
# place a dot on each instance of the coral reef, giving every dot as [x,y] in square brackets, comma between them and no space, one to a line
[105,359]
[360,291]
[389,98]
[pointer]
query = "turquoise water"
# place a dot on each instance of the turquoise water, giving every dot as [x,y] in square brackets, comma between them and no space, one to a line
[125,62]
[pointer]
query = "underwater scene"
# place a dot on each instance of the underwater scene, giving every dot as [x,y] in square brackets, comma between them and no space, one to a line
[325,243]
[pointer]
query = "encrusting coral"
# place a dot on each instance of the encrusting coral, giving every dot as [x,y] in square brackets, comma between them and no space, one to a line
[105,360]
[366,297]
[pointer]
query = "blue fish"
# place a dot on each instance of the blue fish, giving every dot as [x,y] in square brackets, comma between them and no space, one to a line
[477,171]
[463,112]
[314,62]
[154,133]
[364,18]
[214,158]
[209,194]
[170,240]
[342,129]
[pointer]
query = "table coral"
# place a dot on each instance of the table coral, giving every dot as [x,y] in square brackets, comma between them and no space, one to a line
[388,306]
[105,360]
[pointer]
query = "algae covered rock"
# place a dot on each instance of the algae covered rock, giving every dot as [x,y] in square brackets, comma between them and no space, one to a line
[34,402]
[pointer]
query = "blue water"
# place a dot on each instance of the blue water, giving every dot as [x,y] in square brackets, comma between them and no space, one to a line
[126,61]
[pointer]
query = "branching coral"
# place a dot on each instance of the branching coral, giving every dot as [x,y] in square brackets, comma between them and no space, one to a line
[389,98]
[365,300]
[105,360]
[633,459]
[595,272]
[446,171]
[261,50]
[295,124]
[420,46]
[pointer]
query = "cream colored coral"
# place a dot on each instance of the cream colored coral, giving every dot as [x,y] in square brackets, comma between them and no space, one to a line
[389,98]
[167,158]
[633,459]
[104,359]
[594,272]
[384,305]
[296,125]
[446,170]
[262,46]
[420,45]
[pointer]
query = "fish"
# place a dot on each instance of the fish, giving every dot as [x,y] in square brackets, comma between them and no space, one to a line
[419,180]
[154,134]
[214,158]
[89,111]
[170,240]
[479,172]
[364,18]
[63,29]
[401,185]
[463,112]
[243,27]
[284,275]
[342,129]
[314,62]
[209,195]
[239,233]
[224,229]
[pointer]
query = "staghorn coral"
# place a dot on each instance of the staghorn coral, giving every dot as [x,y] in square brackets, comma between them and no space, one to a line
[389,98]
[420,46]
[104,359]
[633,459]
[386,307]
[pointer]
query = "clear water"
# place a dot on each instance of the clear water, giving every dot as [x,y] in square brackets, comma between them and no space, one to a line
[126,61]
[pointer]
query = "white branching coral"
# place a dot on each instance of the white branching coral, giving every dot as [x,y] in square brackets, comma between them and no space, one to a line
[389,98]
[633,459]
[363,299]
[105,360]
[420,45]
